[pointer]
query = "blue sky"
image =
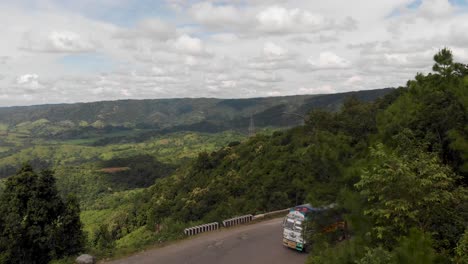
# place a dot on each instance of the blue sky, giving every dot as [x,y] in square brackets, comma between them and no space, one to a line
[88,50]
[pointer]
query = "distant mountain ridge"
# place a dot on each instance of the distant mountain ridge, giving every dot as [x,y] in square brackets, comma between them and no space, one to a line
[197,114]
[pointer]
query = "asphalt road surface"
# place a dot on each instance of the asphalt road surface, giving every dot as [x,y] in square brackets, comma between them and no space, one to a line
[254,243]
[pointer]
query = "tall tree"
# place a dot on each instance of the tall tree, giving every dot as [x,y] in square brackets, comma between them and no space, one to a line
[35,224]
[406,189]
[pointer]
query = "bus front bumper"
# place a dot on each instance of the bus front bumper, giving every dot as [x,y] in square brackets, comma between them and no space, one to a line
[292,244]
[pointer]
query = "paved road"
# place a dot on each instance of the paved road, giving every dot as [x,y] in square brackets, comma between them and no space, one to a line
[255,243]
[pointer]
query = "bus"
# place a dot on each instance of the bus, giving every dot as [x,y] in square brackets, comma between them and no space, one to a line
[295,230]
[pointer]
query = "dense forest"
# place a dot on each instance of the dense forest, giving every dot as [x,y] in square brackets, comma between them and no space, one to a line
[162,116]
[396,167]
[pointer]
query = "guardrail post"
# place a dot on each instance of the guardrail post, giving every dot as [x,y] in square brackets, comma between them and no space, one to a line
[201,228]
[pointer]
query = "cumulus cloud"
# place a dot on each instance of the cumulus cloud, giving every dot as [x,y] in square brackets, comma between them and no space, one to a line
[29,81]
[277,19]
[353,80]
[435,8]
[225,37]
[218,16]
[158,71]
[264,77]
[4,59]
[273,57]
[322,89]
[57,41]
[270,49]
[189,45]
[219,84]
[153,28]
[328,60]
[222,48]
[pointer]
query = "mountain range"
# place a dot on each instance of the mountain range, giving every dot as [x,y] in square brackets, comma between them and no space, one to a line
[173,115]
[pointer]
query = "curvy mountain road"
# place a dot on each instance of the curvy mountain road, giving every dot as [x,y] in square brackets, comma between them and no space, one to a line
[254,243]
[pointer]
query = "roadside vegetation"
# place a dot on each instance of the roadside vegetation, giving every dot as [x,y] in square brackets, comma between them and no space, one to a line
[397,167]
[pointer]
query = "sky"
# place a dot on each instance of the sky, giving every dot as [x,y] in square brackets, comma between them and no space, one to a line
[91,50]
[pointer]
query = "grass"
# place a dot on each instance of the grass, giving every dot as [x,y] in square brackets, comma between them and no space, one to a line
[91,220]
[4,149]
[135,240]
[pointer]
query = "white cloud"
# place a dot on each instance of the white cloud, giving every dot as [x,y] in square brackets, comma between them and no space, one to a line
[27,78]
[276,19]
[158,71]
[190,61]
[435,8]
[4,59]
[189,45]
[460,54]
[221,16]
[328,60]
[57,41]
[322,89]
[274,93]
[353,80]
[225,37]
[220,48]
[29,81]
[280,20]
[148,28]
[261,76]
[270,49]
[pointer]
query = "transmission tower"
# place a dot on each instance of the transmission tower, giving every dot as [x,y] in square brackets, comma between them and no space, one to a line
[251,127]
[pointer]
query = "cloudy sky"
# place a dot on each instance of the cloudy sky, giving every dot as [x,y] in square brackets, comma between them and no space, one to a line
[67,51]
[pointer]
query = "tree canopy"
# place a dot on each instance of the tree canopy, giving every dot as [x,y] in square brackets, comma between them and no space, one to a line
[36,225]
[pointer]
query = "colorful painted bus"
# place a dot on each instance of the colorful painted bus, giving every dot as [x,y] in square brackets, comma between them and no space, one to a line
[295,230]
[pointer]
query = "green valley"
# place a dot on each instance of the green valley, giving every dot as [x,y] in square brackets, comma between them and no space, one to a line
[394,161]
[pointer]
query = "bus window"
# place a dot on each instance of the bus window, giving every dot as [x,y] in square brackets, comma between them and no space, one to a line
[289,224]
[298,226]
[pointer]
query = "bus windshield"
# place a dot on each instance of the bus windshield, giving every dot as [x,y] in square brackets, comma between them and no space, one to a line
[292,224]
[289,224]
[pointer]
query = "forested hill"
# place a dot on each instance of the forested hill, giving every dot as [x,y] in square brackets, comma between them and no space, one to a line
[396,168]
[200,114]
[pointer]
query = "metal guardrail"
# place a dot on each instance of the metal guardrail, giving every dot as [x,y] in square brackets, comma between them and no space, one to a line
[229,222]
[237,220]
[259,216]
[201,228]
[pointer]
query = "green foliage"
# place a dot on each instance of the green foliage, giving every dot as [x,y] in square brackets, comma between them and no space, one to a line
[376,256]
[136,171]
[104,241]
[415,248]
[66,260]
[167,115]
[35,224]
[396,167]
[259,170]
[405,190]
[405,199]
[349,251]
[435,108]
[264,173]
[461,251]
[140,237]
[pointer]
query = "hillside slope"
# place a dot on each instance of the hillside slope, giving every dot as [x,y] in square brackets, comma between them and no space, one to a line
[172,115]
[395,167]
